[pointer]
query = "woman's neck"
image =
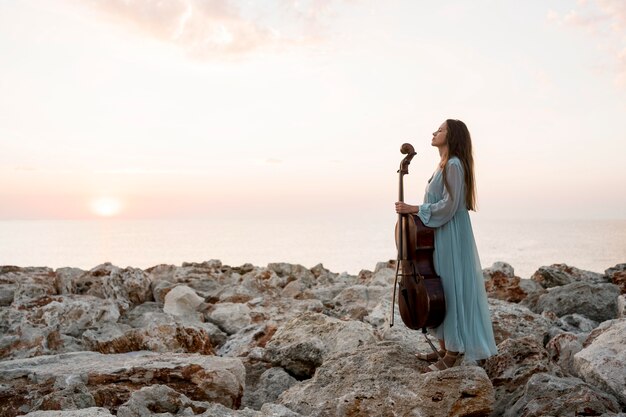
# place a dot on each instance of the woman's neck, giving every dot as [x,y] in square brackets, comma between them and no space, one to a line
[443,152]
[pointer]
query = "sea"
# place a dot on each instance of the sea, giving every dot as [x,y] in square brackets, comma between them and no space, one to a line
[343,244]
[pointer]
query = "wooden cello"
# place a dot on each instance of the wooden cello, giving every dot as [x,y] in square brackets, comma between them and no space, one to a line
[421,299]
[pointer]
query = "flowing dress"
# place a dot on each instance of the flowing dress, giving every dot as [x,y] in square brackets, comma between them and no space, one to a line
[467,324]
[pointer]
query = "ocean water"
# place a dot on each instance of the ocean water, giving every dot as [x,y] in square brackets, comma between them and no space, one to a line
[340,244]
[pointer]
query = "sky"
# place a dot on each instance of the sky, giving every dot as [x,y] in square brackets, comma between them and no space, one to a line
[202,108]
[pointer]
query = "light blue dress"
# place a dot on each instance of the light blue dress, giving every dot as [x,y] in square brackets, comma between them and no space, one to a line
[467,325]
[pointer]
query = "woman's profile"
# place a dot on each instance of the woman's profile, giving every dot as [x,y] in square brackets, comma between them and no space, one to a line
[450,194]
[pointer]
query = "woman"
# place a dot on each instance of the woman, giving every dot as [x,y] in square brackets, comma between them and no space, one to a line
[466,328]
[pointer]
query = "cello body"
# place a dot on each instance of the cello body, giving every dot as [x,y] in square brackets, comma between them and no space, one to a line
[421,300]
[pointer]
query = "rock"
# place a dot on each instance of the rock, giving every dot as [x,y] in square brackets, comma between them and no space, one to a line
[271,384]
[621,306]
[562,349]
[357,301]
[595,301]
[561,274]
[174,337]
[549,395]
[302,344]
[85,412]
[111,379]
[65,277]
[504,288]
[127,287]
[27,285]
[499,268]
[411,341]
[617,275]
[286,273]
[230,317]
[517,360]
[159,399]
[575,323]
[602,362]
[383,380]
[514,321]
[53,324]
[248,338]
[182,301]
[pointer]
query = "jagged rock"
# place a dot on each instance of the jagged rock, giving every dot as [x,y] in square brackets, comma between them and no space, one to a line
[248,338]
[65,277]
[561,274]
[111,379]
[182,301]
[268,410]
[270,385]
[621,306]
[383,380]
[576,323]
[27,284]
[499,268]
[171,337]
[562,349]
[517,360]
[286,273]
[127,287]
[411,341]
[53,324]
[549,395]
[85,412]
[515,321]
[595,301]
[148,401]
[230,317]
[357,301]
[602,362]
[302,344]
[617,275]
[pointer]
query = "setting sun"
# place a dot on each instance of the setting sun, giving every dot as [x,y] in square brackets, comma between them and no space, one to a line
[106,206]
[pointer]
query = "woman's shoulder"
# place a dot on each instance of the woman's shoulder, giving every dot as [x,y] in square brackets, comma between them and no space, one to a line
[454,160]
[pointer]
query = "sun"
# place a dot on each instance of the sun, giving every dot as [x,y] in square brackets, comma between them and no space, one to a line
[106,206]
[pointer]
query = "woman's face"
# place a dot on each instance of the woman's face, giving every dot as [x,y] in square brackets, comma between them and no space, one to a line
[439,136]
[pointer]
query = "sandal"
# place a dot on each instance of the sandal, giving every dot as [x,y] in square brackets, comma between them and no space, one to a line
[431,356]
[448,361]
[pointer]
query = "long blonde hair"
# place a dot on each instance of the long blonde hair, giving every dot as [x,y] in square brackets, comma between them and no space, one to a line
[460,145]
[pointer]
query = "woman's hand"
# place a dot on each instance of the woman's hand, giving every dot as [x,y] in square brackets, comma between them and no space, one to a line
[404,208]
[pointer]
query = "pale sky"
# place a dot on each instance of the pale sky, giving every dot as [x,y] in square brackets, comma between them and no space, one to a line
[203,108]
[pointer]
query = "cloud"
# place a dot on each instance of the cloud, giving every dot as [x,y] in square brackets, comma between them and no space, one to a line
[208,29]
[605,19]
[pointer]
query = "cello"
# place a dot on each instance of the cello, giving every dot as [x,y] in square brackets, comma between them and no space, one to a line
[421,300]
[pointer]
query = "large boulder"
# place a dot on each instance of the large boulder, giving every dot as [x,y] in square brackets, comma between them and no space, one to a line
[602,362]
[303,343]
[503,284]
[182,301]
[84,412]
[617,275]
[171,337]
[111,379]
[561,274]
[517,360]
[23,286]
[549,395]
[514,321]
[384,380]
[53,324]
[595,301]
[230,317]
[127,287]
[562,349]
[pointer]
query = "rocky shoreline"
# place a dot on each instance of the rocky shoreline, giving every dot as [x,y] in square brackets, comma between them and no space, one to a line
[209,339]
